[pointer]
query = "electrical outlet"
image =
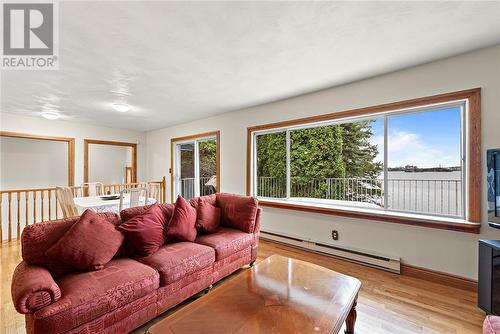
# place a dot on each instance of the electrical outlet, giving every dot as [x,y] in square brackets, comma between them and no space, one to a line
[335,235]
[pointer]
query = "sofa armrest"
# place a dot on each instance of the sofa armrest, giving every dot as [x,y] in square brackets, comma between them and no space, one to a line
[256,234]
[256,230]
[33,288]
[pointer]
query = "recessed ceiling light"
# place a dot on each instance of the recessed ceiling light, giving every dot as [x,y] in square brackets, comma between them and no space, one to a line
[120,107]
[50,115]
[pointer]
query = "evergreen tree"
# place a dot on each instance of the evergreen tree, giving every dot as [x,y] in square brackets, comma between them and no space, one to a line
[317,154]
[357,151]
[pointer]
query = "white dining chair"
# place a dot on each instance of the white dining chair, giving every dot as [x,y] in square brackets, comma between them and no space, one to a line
[93,188]
[135,194]
[64,196]
[154,192]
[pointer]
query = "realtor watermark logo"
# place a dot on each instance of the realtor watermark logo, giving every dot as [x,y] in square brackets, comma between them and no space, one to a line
[30,36]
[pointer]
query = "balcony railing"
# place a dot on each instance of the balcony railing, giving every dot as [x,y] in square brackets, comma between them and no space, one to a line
[187,187]
[424,196]
[22,207]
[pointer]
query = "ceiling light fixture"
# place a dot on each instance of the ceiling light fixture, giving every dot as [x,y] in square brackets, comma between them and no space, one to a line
[50,115]
[121,107]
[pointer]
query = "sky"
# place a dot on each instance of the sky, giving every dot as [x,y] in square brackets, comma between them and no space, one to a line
[423,139]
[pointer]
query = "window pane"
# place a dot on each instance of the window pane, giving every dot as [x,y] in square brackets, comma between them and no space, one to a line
[424,162]
[271,165]
[186,186]
[340,164]
[208,166]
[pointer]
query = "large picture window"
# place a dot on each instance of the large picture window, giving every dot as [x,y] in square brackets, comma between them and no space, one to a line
[409,161]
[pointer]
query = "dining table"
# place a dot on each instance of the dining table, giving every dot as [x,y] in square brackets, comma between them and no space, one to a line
[107,203]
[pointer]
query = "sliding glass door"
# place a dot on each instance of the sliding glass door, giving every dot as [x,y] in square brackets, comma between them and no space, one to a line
[195,167]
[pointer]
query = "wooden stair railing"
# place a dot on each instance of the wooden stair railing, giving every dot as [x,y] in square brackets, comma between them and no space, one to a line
[22,207]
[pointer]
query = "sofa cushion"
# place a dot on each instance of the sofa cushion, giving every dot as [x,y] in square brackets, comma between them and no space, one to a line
[179,259]
[207,218]
[237,211]
[491,325]
[86,296]
[145,231]
[226,241]
[181,226]
[130,213]
[89,244]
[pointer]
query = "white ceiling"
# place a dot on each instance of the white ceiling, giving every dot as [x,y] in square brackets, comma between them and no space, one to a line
[180,61]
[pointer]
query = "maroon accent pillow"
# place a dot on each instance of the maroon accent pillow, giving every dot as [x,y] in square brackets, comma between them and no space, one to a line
[181,226]
[89,244]
[207,217]
[211,199]
[129,213]
[238,211]
[144,232]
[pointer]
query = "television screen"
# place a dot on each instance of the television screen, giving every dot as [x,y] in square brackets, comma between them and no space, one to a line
[493,185]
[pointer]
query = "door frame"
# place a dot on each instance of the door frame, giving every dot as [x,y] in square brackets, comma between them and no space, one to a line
[195,137]
[87,142]
[71,148]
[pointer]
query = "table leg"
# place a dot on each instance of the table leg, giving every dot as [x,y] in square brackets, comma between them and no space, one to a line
[351,318]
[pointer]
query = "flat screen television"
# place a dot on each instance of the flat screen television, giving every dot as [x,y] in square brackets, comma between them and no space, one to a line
[493,185]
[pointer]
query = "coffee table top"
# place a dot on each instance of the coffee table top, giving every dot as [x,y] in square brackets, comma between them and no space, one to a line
[278,295]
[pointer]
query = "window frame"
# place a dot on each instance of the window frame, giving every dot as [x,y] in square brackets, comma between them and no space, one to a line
[470,151]
[196,138]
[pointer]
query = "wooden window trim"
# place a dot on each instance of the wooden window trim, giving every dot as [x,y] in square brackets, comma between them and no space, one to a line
[87,142]
[474,171]
[215,134]
[68,140]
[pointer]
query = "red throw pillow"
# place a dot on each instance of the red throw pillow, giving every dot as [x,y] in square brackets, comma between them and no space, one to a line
[181,226]
[210,199]
[89,244]
[144,231]
[207,217]
[238,211]
[129,213]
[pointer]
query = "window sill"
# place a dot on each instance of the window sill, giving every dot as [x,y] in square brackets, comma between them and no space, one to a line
[443,223]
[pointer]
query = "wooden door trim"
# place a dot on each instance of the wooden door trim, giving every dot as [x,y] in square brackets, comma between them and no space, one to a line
[215,134]
[71,148]
[87,142]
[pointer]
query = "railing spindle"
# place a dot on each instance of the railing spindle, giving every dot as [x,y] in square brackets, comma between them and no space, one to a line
[57,205]
[441,211]
[18,232]
[34,207]
[9,228]
[42,206]
[26,199]
[50,202]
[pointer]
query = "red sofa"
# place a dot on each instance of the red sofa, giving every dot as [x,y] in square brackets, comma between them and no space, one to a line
[129,291]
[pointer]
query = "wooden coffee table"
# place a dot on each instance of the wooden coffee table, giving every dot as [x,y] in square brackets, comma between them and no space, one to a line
[278,295]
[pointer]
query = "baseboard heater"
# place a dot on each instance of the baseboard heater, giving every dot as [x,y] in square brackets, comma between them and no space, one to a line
[376,261]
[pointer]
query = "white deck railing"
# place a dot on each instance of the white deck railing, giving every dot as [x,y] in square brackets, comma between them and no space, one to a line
[426,196]
[187,187]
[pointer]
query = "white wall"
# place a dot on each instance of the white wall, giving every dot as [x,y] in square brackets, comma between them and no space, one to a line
[107,163]
[32,163]
[452,252]
[79,131]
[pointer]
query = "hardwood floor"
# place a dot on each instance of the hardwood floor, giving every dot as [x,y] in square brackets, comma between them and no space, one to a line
[387,304]
[10,320]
